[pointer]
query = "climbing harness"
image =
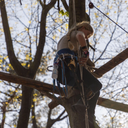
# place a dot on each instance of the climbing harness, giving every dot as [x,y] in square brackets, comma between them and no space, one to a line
[91,5]
[64,61]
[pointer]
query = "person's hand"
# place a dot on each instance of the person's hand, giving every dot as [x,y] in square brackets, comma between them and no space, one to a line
[83,60]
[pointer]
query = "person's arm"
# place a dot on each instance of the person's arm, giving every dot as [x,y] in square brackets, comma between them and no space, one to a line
[81,39]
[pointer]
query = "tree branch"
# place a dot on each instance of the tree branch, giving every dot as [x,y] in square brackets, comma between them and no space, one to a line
[40,86]
[34,66]
[41,3]
[65,5]
[34,116]
[13,60]
[59,117]
[44,87]
[112,63]
[5,106]
[112,104]
[50,121]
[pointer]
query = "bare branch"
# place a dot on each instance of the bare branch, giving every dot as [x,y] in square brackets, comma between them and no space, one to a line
[49,88]
[50,121]
[59,117]
[34,116]
[34,66]
[41,3]
[40,86]
[5,106]
[65,5]
[112,63]
[20,2]
[13,60]
[112,104]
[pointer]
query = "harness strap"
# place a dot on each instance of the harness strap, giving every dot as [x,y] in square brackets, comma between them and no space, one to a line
[58,84]
[63,72]
[64,81]
[59,60]
[54,87]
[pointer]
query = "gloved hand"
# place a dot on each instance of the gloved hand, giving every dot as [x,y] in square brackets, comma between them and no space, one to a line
[82,61]
[85,54]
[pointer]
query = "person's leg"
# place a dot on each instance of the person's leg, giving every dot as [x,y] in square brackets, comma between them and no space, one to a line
[91,110]
[91,82]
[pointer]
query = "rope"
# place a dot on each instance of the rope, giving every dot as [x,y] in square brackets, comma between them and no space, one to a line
[83,96]
[91,5]
[49,67]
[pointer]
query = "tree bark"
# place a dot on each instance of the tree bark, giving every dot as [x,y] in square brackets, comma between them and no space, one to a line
[44,87]
[111,64]
[80,12]
[76,113]
[27,92]
[65,5]
[40,86]
[10,50]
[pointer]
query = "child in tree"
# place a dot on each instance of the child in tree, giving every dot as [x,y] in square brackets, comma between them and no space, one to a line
[72,53]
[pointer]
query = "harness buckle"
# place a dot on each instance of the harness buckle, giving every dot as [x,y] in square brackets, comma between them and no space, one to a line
[72,62]
[63,56]
[72,57]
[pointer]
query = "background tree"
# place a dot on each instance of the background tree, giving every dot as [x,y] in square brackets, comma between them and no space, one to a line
[29,27]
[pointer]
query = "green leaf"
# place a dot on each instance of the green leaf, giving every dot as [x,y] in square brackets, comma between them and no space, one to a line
[61,12]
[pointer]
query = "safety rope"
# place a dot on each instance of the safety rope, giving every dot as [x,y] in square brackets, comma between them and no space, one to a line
[81,74]
[91,5]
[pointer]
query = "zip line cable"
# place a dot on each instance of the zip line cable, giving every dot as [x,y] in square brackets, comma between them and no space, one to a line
[91,5]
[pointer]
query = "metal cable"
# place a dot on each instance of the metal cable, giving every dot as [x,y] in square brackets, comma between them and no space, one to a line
[91,5]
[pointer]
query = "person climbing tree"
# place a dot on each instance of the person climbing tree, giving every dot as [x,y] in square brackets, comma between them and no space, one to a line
[72,54]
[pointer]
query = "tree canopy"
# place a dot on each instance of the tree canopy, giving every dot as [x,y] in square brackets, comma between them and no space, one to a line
[29,32]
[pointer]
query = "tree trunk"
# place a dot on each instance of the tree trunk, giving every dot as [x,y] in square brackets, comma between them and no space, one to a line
[80,13]
[25,107]
[76,112]
[19,69]
[28,92]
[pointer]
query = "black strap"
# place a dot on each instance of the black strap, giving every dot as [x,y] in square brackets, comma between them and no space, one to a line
[84,47]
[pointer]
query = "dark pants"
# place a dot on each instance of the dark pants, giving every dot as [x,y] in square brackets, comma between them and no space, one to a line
[73,79]
[90,82]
